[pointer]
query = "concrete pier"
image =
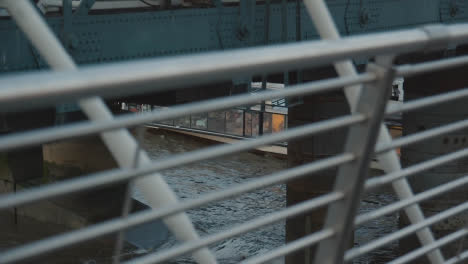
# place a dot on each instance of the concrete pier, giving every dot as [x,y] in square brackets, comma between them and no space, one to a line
[56,162]
[81,156]
[417,121]
[314,108]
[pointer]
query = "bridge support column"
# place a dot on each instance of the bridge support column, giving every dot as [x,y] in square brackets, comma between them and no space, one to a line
[416,121]
[77,157]
[315,108]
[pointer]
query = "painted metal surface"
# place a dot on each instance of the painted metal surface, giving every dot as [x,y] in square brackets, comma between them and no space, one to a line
[179,69]
[135,34]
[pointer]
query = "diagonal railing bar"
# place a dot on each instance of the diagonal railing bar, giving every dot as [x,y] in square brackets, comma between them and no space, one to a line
[102,179]
[458,259]
[40,136]
[388,209]
[461,243]
[126,209]
[361,140]
[66,83]
[421,136]
[23,139]
[417,168]
[120,143]
[428,248]
[115,80]
[111,226]
[288,212]
[377,243]
[60,241]
[389,161]
[127,202]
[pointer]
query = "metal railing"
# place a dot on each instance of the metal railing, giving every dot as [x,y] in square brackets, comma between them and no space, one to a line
[30,90]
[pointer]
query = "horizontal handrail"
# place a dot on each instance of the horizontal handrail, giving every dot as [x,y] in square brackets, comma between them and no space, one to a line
[377,243]
[414,169]
[156,75]
[110,226]
[408,70]
[102,179]
[427,248]
[418,137]
[458,259]
[291,247]
[427,101]
[40,136]
[290,211]
[396,206]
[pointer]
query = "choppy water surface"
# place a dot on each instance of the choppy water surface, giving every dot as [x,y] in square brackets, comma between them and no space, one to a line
[200,178]
[215,175]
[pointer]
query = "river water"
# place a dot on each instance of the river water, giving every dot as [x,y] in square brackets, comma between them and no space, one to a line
[215,175]
[200,178]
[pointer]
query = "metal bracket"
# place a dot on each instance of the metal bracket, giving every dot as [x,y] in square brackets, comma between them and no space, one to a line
[439,37]
[67,22]
[84,7]
[351,177]
[218,3]
[245,32]
[70,40]
[246,21]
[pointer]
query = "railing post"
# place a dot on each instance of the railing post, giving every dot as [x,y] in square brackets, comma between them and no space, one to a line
[351,176]
[389,161]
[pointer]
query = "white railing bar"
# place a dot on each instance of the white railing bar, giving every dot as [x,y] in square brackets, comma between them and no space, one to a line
[325,26]
[120,143]
[166,73]
[204,154]
[377,243]
[360,140]
[389,161]
[408,70]
[101,179]
[114,225]
[413,169]
[288,212]
[197,155]
[420,136]
[459,258]
[418,68]
[366,217]
[427,101]
[45,135]
[428,248]
[291,247]
[127,204]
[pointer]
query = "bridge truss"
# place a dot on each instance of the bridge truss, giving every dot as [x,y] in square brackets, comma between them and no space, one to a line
[367,94]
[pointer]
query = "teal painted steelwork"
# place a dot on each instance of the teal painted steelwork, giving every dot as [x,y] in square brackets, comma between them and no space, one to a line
[96,38]
[93,37]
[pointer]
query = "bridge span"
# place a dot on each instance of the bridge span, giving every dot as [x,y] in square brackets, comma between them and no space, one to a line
[66,147]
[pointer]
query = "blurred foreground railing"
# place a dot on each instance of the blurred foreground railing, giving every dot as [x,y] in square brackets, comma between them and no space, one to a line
[33,90]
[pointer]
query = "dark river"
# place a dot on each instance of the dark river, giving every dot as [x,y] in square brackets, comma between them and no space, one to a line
[203,177]
[216,175]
